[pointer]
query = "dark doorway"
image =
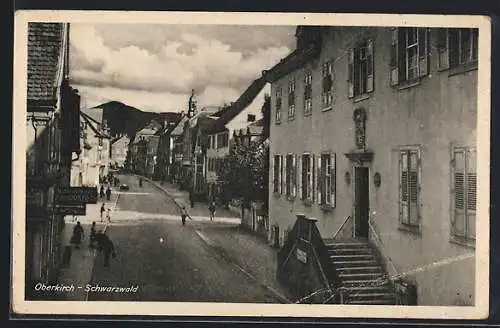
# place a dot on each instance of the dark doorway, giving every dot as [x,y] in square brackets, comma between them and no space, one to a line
[361,202]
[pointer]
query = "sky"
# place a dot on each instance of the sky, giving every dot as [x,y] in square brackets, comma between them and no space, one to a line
[155,67]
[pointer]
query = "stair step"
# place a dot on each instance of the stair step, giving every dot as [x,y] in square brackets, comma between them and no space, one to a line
[372,302]
[345,251]
[369,296]
[346,244]
[341,264]
[361,269]
[366,283]
[371,274]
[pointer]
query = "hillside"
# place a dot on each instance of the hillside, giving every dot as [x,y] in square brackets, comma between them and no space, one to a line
[124,119]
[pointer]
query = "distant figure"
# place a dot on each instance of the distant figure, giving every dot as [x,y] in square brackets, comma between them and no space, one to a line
[76,239]
[108,193]
[108,215]
[92,235]
[102,212]
[184,214]
[140,182]
[101,192]
[75,218]
[211,209]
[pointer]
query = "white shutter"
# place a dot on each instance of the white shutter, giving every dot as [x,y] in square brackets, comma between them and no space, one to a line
[333,180]
[459,192]
[423,47]
[350,73]
[314,175]
[281,174]
[403,187]
[319,179]
[394,58]
[293,180]
[300,169]
[311,179]
[370,66]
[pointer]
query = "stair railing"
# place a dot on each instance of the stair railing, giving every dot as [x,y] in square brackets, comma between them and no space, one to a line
[378,240]
[347,218]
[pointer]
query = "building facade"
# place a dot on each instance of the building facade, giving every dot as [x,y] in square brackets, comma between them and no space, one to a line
[52,133]
[239,115]
[93,163]
[118,153]
[376,127]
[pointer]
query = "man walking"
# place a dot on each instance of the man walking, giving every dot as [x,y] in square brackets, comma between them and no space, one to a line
[108,193]
[211,209]
[107,247]
[184,214]
[102,212]
[108,215]
[77,235]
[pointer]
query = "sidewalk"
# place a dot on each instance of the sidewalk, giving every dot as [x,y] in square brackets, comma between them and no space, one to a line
[200,210]
[249,253]
[79,272]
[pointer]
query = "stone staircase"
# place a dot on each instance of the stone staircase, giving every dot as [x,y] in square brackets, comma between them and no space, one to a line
[361,272]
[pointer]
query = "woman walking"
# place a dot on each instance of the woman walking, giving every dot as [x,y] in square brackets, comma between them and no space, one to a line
[76,239]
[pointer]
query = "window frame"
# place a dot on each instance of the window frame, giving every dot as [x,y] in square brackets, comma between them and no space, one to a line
[327,93]
[306,178]
[277,174]
[406,205]
[356,72]
[307,92]
[291,98]
[464,238]
[327,180]
[290,176]
[279,104]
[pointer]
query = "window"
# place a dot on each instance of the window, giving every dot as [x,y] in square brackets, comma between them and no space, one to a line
[409,187]
[100,141]
[290,169]
[277,173]
[222,140]
[306,186]
[291,99]
[360,69]
[457,47]
[308,93]
[327,179]
[327,93]
[409,54]
[464,194]
[278,104]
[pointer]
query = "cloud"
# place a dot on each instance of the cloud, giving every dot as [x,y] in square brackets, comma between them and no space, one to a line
[219,63]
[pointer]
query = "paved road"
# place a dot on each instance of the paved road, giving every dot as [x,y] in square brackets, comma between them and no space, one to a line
[182,268]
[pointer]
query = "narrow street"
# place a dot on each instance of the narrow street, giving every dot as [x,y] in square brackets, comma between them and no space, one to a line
[181,268]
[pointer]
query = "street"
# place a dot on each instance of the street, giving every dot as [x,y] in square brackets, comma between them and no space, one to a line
[167,261]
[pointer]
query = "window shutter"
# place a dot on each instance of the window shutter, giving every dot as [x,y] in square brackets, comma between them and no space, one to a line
[314,175]
[333,180]
[414,187]
[453,44]
[369,66]
[423,48]
[471,194]
[443,49]
[293,179]
[281,174]
[319,179]
[350,73]
[459,202]
[394,58]
[403,187]
[300,171]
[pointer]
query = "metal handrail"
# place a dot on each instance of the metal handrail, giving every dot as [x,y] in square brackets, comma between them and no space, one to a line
[341,227]
[379,241]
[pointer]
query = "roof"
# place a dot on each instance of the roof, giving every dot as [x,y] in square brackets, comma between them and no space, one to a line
[179,128]
[45,49]
[92,124]
[238,106]
[95,114]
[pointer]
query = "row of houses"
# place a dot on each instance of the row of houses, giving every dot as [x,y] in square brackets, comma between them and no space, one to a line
[373,136]
[53,128]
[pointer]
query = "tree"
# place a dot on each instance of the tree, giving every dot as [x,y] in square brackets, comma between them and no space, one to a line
[243,173]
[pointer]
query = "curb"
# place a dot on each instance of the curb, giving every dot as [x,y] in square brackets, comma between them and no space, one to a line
[163,190]
[211,244]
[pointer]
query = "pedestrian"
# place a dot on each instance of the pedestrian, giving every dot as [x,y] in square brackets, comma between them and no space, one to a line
[102,212]
[211,209]
[101,192]
[92,235]
[184,214]
[108,193]
[107,247]
[76,238]
[191,199]
[108,216]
